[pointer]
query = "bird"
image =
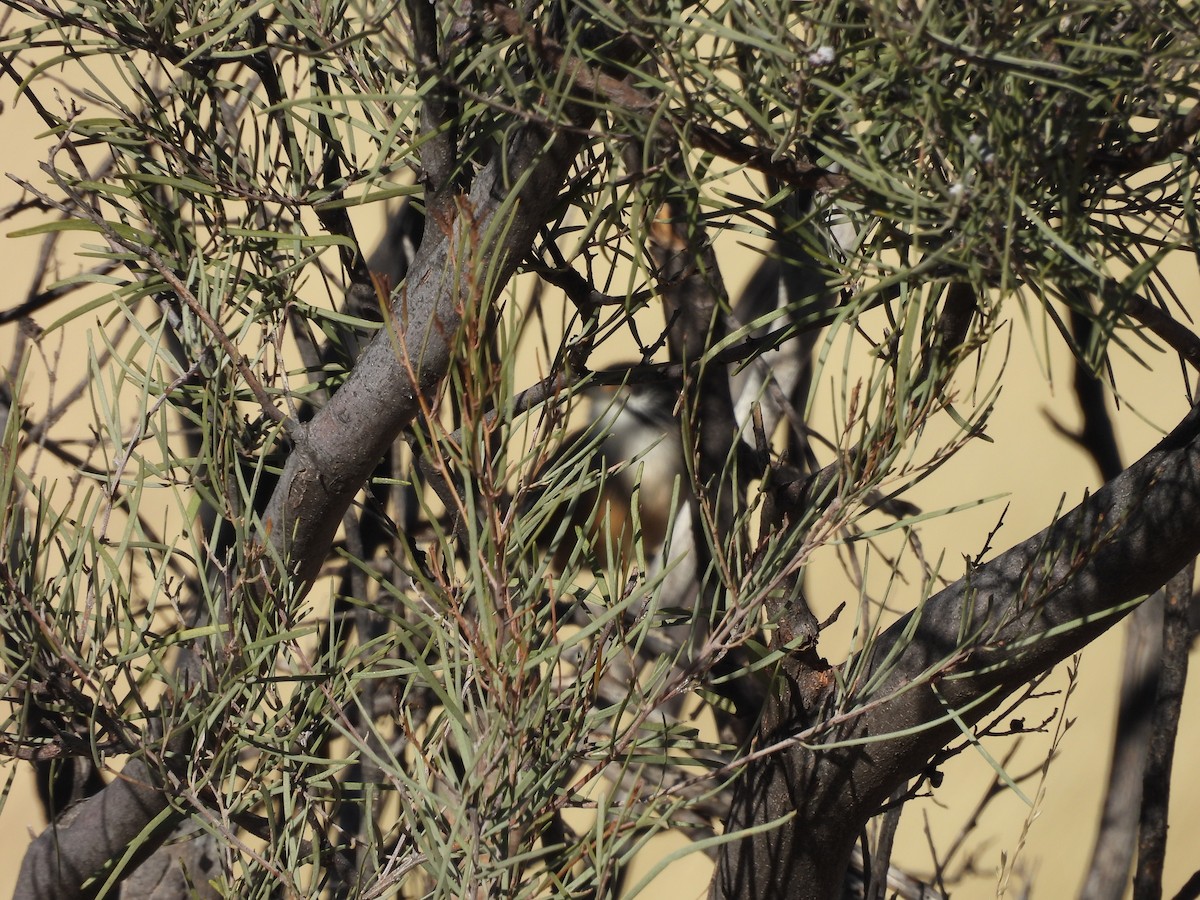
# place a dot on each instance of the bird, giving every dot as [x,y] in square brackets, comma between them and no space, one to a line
[633,434]
[639,446]
[642,440]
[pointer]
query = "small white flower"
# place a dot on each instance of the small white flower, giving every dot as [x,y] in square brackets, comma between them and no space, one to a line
[822,56]
[957,190]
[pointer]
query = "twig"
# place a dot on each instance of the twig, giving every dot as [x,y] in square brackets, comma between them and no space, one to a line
[42,299]
[1190,889]
[881,860]
[793,172]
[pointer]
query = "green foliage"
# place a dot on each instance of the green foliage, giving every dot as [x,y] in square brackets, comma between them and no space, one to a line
[484,696]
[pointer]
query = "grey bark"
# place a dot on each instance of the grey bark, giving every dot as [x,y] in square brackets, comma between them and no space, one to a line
[1026,610]
[1164,727]
[90,834]
[335,453]
[1116,841]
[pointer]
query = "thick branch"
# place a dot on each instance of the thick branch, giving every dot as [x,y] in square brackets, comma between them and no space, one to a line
[1178,336]
[335,453]
[91,833]
[406,359]
[966,648]
[1173,137]
[1112,854]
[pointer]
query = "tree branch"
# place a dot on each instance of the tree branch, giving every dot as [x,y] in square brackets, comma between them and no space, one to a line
[439,153]
[1156,788]
[1177,336]
[334,454]
[795,173]
[1171,138]
[1112,854]
[1020,614]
